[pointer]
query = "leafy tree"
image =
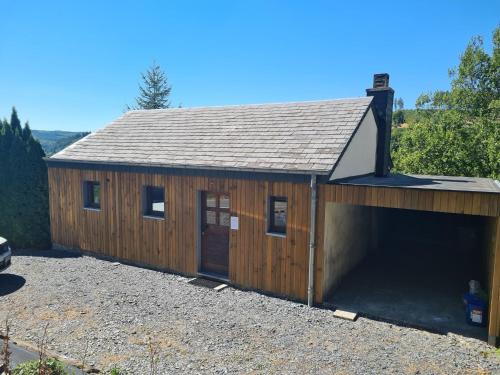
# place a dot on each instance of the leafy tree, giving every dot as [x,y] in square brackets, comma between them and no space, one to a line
[445,144]
[398,117]
[457,132]
[154,91]
[399,104]
[475,85]
[24,187]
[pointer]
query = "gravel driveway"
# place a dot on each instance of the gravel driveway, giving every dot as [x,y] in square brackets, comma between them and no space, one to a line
[116,307]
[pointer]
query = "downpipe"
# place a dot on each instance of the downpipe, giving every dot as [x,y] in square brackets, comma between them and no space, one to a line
[312,242]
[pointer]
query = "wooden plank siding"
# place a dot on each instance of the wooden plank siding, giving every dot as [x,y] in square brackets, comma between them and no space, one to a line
[256,260]
[482,204]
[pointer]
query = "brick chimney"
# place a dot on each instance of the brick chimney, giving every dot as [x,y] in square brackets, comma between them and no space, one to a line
[383,98]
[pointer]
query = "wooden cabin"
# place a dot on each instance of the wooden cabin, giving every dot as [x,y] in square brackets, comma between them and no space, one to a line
[286,199]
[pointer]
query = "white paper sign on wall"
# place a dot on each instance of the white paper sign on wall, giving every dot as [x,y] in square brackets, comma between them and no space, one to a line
[234,222]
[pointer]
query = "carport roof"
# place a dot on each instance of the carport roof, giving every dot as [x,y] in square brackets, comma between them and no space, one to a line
[427,182]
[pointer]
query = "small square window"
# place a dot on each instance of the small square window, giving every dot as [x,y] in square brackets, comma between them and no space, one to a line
[224,201]
[154,203]
[92,194]
[211,217]
[211,200]
[277,215]
[224,219]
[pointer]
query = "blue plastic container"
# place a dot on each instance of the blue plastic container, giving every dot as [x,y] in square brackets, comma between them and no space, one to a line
[475,310]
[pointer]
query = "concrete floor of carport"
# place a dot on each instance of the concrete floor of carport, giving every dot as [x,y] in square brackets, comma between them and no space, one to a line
[423,291]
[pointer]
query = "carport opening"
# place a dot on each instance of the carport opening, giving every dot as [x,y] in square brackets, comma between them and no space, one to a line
[405,266]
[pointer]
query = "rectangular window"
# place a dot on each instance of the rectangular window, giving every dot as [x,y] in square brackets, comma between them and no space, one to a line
[92,194]
[154,203]
[277,215]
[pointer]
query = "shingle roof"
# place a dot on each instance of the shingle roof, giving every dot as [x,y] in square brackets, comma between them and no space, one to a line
[301,137]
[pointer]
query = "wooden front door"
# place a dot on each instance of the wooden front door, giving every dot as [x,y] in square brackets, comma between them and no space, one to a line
[215,222]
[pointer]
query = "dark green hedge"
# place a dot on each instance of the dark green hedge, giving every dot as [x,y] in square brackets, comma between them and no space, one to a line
[24,206]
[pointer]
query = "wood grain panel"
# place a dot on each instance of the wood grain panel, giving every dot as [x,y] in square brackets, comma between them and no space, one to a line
[483,204]
[257,260]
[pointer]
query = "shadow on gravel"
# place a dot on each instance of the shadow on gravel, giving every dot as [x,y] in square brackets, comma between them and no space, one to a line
[46,253]
[10,283]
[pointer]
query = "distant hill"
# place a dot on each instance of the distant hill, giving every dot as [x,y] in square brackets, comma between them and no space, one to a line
[53,141]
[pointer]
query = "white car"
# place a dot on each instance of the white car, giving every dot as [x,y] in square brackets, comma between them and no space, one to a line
[5,254]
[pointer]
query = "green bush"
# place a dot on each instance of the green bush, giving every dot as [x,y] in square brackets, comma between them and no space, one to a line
[115,371]
[52,367]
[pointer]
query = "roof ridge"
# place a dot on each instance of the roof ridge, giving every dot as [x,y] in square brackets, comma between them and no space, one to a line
[360,98]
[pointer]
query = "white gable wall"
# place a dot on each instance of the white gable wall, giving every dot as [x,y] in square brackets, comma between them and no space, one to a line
[359,157]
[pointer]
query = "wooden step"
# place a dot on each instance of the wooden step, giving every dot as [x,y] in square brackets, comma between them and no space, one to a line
[342,314]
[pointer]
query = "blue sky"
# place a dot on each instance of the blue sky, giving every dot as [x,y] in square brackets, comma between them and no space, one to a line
[75,65]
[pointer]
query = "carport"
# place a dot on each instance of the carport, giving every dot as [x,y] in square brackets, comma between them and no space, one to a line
[403,249]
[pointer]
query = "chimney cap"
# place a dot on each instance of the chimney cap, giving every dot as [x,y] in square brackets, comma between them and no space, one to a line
[380,80]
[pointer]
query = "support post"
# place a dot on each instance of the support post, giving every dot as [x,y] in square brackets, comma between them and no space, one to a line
[494,313]
[312,242]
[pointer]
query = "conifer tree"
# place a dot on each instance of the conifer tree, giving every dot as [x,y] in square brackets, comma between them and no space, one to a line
[154,91]
[24,207]
[26,132]
[15,123]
